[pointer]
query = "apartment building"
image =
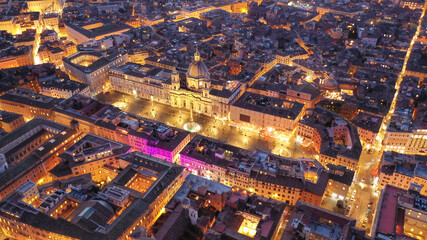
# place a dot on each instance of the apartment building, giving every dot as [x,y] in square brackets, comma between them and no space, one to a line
[401,214]
[10,121]
[57,87]
[402,170]
[36,163]
[333,138]
[280,178]
[28,103]
[93,67]
[140,208]
[266,112]
[145,135]
[368,126]
[90,154]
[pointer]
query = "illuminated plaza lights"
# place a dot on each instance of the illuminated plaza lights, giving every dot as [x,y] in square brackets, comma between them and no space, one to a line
[281,139]
[121,105]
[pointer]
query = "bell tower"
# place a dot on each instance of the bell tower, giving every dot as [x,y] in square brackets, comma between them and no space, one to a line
[206,87]
[175,80]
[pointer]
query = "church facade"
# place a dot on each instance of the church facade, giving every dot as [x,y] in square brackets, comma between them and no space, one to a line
[162,85]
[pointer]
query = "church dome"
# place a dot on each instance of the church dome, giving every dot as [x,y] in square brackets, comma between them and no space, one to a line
[330,83]
[197,68]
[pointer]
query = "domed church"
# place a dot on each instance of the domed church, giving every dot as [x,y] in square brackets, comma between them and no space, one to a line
[199,94]
[197,69]
[198,75]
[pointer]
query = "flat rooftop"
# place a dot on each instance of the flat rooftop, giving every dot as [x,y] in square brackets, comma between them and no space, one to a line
[107,116]
[63,84]
[8,117]
[269,105]
[168,172]
[368,121]
[103,29]
[387,210]
[30,98]
[89,62]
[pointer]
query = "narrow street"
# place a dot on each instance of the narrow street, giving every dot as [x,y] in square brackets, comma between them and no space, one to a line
[366,192]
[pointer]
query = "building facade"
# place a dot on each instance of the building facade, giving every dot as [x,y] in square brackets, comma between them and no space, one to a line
[10,121]
[402,170]
[142,208]
[368,126]
[93,68]
[266,112]
[235,167]
[334,139]
[90,154]
[408,142]
[28,103]
[340,180]
[162,85]
[147,136]
[60,88]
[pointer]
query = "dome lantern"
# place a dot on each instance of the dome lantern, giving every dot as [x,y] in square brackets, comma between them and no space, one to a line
[197,55]
[197,68]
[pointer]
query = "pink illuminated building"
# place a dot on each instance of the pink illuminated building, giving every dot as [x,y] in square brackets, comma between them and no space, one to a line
[145,135]
[401,214]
